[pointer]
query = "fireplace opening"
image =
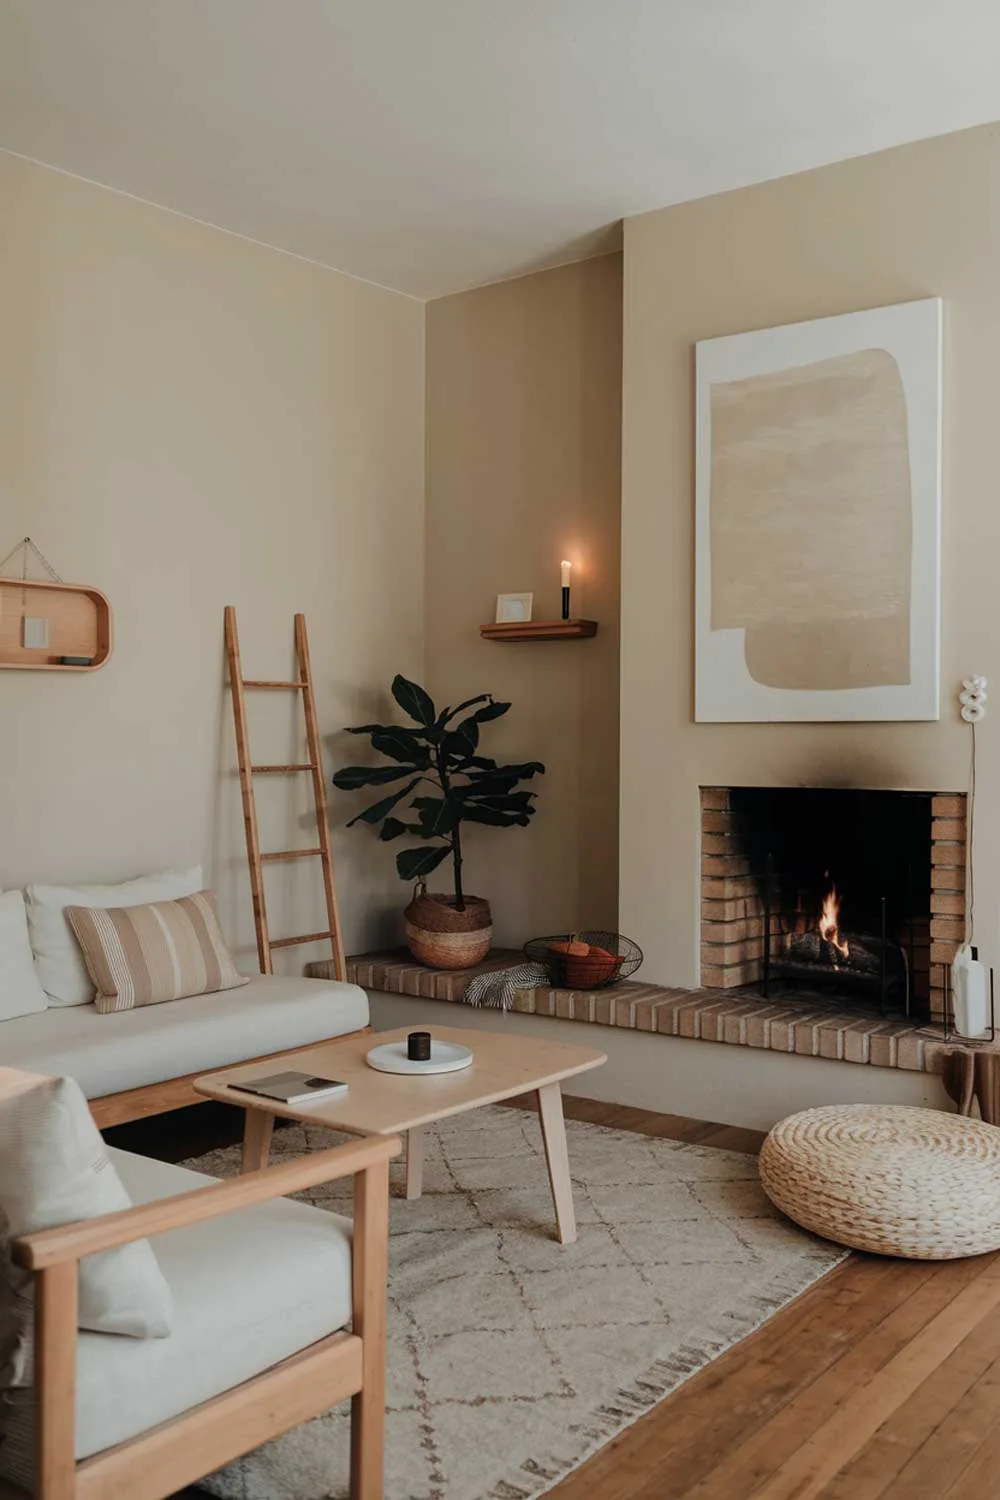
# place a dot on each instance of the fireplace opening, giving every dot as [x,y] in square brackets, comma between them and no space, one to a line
[844,878]
[841,896]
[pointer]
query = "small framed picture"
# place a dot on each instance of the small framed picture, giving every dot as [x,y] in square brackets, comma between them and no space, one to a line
[514,609]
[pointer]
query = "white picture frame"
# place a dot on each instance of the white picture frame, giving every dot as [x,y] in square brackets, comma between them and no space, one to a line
[514,609]
[818,520]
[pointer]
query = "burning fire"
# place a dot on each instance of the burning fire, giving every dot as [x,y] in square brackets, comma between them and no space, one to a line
[829,920]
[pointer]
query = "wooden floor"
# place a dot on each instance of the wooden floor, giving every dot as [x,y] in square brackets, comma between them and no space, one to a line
[881,1383]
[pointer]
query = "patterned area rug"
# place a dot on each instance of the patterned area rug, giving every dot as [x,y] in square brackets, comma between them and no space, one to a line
[512,1358]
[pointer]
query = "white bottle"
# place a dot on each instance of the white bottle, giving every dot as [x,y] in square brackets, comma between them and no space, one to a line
[971,993]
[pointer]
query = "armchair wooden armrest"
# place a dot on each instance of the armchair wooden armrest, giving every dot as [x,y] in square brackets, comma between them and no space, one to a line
[157,1463]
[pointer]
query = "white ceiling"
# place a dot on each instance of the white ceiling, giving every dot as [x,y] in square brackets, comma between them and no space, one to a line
[432,145]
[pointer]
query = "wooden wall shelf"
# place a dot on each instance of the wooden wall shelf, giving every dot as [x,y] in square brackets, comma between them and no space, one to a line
[540,630]
[79,624]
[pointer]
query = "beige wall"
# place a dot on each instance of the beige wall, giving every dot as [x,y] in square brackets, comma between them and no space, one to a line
[189,420]
[523,388]
[915,222]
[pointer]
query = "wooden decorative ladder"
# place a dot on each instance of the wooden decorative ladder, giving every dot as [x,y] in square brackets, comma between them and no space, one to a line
[257,859]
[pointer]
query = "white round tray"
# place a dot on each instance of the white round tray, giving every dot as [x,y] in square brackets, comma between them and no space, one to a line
[446,1057]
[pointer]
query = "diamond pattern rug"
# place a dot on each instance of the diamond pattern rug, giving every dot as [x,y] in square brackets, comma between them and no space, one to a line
[512,1358]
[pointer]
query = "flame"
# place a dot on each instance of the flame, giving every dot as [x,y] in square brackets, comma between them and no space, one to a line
[829,920]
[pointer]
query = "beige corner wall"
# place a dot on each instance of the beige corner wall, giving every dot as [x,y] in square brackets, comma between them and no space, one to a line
[189,420]
[524,393]
[920,221]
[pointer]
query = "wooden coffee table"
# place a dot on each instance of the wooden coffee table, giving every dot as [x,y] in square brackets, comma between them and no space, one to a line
[393,1103]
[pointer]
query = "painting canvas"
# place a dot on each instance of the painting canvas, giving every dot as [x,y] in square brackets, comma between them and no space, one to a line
[818,496]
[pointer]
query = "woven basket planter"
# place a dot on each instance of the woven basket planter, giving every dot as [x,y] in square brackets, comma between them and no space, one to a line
[916,1183]
[443,938]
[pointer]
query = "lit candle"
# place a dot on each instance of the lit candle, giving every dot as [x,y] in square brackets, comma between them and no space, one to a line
[566,569]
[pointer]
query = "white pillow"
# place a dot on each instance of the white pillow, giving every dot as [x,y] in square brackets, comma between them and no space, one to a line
[21,992]
[54,1169]
[58,958]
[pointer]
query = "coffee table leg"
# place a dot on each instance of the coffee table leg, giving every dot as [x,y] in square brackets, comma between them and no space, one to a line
[258,1126]
[557,1160]
[414,1162]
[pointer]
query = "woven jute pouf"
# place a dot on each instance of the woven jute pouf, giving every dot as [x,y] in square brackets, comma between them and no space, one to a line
[887,1178]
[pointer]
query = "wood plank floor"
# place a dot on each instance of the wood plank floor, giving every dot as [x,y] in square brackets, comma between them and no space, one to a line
[882,1382]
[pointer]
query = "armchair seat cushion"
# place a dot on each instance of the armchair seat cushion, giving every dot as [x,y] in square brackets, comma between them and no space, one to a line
[249,1289]
[107,1054]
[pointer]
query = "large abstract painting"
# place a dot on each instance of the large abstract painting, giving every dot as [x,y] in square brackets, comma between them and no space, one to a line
[818,496]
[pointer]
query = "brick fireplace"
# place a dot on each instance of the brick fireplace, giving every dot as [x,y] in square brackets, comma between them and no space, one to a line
[889,867]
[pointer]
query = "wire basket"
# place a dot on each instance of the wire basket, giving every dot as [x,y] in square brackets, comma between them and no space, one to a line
[616,957]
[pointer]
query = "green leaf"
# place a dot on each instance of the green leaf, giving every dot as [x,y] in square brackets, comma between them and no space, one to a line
[363,729]
[509,802]
[524,771]
[479,763]
[412,864]
[495,819]
[392,828]
[447,714]
[378,810]
[499,780]
[401,744]
[349,778]
[462,741]
[490,784]
[491,711]
[413,700]
[437,816]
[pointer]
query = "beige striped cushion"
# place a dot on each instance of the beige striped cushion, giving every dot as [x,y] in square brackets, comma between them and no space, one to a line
[143,955]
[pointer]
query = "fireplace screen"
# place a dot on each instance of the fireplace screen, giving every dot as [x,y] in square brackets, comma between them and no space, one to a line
[829,891]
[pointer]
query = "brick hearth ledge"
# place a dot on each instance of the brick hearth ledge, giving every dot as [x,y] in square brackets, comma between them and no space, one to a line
[794,1026]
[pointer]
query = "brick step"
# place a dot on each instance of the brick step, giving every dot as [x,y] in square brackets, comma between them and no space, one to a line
[803,1026]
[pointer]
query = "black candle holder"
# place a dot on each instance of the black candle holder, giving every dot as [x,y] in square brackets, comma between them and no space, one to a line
[418,1046]
[565,603]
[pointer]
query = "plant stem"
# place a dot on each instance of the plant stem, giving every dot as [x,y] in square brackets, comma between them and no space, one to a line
[456,836]
[456,849]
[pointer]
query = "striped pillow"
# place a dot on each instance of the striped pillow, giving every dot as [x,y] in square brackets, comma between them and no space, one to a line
[143,955]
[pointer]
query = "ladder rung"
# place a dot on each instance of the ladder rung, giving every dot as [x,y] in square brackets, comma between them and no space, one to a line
[309,937]
[291,854]
[295,685]
[276,770]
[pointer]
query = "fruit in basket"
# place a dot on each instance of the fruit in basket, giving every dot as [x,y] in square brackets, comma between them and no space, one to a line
[582,965]
[588,973]
[572,949]
[585,960]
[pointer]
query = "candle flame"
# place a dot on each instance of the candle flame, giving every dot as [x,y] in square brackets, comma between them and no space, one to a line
[829,923]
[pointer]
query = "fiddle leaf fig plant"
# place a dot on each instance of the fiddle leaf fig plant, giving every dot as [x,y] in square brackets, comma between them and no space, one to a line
[439,761]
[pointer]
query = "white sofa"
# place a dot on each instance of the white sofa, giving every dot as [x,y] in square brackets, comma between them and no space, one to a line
[141,1062]
[132,1049]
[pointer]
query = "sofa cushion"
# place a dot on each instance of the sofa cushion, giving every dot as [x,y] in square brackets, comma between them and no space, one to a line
[21,992]
[55,1169]
[146,955]
[107,1054]
[249,1289]
[58,959]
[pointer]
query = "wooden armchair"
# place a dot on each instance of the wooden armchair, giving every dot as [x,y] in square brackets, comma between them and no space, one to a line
[178,1452]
